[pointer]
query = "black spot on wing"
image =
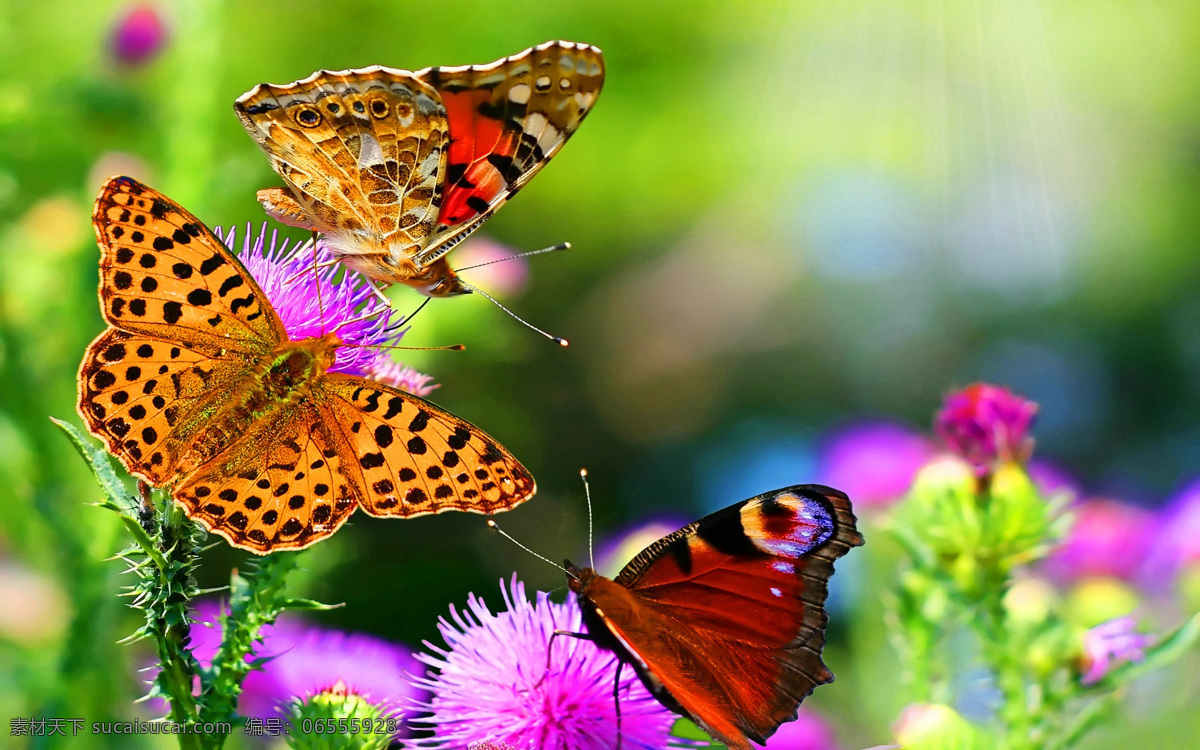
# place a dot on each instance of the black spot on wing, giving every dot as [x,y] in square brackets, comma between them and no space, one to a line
[724,532]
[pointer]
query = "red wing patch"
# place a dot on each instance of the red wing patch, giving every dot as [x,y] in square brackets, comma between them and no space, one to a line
[506,120]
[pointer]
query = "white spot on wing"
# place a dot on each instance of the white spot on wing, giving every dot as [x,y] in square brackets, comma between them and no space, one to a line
[519,94]
[369,151]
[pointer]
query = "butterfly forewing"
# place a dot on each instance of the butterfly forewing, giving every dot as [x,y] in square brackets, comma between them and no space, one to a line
[363,152]
[507,119]
[147,398]
[737,605]
[414,458]
[164,274]
[279,486]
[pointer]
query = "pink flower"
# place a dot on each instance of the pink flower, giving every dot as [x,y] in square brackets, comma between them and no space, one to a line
[985,425]
[1108,644]
[873,462]
[399,375]
[1108,538]
[506,278]
[138,36]
[491,684]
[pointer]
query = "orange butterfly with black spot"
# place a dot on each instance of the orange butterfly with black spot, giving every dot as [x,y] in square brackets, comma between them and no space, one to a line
[196,386]
[724,620]
[395,168]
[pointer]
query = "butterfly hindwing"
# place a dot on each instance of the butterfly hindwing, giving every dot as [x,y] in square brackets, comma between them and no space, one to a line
[363,152]
[415,458]
[278,486]
[732,608]
[164,274]
[507,119]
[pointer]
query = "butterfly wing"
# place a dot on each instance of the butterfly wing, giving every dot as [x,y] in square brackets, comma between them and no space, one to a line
[412,458]
[187,320]
[282,485]
[163,274]
[362,151]
[507,119]
[727,615]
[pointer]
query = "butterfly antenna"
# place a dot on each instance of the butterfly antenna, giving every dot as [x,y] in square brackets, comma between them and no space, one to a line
[556,339]
[587,491]
[408,318]
[492,524]
[551,249]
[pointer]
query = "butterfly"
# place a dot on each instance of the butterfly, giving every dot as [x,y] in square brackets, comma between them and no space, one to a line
[724,620]
[196,386]
[395,168]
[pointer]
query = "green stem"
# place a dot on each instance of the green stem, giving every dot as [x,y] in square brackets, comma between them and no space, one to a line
[256,600]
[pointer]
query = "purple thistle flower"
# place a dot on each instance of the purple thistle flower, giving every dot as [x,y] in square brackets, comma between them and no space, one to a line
[1109,643]
[985,425]
[277,269]
[874,461]
[491,683]
[1108,538]
[139,35]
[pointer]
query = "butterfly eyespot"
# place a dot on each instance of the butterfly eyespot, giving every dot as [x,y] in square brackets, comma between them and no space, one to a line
[308,116]
[333,108]
[564,83]
[404,111]
[358,107]
[379,108]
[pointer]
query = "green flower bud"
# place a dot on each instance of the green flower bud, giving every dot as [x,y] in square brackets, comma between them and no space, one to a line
[338,718]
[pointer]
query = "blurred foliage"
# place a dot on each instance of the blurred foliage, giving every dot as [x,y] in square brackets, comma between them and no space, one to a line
[785,215]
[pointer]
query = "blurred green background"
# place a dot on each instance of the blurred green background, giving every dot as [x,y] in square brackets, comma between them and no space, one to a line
[785,216]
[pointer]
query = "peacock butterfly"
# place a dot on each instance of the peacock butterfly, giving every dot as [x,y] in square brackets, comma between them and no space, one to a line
[724,620]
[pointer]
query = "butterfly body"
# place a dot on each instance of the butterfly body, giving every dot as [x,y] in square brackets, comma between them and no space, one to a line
[723,620]
[396,167]
[197,386]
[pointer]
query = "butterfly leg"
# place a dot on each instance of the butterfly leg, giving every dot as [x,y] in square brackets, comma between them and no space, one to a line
[617,699]
[378,292]
[317,284]
[550,646]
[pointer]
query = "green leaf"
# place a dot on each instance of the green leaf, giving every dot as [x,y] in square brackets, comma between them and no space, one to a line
[119,497]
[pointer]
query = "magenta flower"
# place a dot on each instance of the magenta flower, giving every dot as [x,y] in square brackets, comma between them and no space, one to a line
[490,683]
[139,35]
[985,425]
[343,306]
[1107,644]
[873,462]
[1108,538]
[808,732]
[304,659]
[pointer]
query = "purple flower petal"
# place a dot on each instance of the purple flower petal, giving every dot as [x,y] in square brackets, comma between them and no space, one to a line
[490,683]
[1108,644]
